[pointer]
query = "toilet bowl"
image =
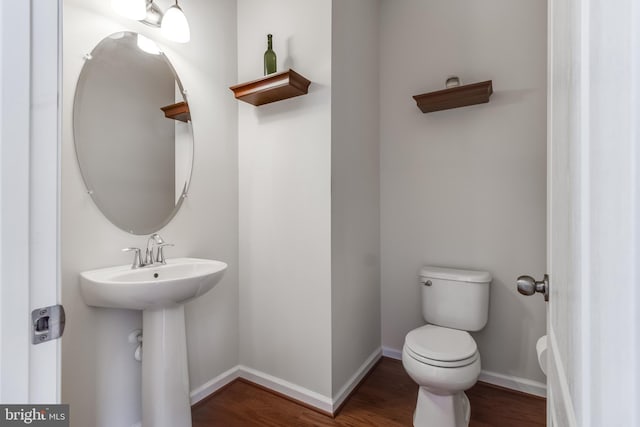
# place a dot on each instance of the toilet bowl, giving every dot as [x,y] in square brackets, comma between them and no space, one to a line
[444,363]
[441,356]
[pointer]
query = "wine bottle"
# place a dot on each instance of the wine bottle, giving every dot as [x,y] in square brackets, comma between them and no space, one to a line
[269,57]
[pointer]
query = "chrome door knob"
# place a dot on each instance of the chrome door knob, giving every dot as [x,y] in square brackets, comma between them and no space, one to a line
[527,285]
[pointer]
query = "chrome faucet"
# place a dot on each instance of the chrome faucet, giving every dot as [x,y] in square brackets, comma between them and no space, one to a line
[154,241]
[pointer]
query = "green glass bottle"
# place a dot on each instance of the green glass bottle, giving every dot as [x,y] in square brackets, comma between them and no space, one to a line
[269,57]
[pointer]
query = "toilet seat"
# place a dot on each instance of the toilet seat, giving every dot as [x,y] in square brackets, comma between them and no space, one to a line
[442,347]
[441,363]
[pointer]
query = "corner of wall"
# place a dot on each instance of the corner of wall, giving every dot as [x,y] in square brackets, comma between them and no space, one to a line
[355,195]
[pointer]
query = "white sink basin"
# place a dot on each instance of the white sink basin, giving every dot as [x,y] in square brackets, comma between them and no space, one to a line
[164,285]
[159,291]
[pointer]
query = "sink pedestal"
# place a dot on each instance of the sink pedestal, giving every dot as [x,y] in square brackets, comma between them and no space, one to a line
[165,376]
[160,291]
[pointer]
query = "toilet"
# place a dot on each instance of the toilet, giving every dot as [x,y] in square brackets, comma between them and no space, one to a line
[441,356]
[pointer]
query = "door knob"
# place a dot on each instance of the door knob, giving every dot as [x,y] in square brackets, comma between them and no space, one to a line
[527,285]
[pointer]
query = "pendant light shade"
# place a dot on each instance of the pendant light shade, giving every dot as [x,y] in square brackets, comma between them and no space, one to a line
[132,9]
[175,26]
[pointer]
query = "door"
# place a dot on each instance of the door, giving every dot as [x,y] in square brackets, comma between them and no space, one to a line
[29,169]
[594,213]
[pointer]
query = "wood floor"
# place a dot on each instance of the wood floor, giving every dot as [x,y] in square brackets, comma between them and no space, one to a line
[385,398]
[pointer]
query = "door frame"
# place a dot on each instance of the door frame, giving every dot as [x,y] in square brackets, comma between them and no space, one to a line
[30,136]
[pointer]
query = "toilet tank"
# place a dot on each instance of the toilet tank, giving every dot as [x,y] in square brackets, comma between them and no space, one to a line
[455,298]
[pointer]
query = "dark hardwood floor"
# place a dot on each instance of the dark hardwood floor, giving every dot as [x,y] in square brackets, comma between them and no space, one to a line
[385,398]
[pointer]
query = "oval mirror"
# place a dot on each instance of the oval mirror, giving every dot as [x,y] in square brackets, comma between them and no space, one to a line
[132,132]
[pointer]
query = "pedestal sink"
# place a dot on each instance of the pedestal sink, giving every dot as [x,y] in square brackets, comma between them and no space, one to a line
[160,291]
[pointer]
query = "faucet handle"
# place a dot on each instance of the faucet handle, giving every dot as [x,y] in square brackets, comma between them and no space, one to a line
[137,260]
[160,255]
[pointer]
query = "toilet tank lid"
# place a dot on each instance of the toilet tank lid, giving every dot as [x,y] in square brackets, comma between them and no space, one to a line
[457,275]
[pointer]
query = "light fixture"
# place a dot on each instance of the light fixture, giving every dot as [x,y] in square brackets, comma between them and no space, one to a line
[154,15]
[174,25]
[132,9]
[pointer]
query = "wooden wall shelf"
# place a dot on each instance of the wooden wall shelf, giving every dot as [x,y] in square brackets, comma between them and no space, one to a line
[272,88]
[179,111]
[461,96]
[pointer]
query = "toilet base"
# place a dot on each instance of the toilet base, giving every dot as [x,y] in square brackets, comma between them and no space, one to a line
[433,410]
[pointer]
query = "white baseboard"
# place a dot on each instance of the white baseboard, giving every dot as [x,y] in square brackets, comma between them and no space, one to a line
[507,381]
[214,385]
[328,405]
[301,394]
[291,390]
[353,382]
[392,353]
[514,383]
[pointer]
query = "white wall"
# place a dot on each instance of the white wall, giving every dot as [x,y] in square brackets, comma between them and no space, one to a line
[355,189]
[100,378]
[309,197]
[465,187]
[285,197]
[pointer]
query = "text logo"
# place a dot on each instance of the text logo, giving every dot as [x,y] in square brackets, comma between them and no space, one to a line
[34,415]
